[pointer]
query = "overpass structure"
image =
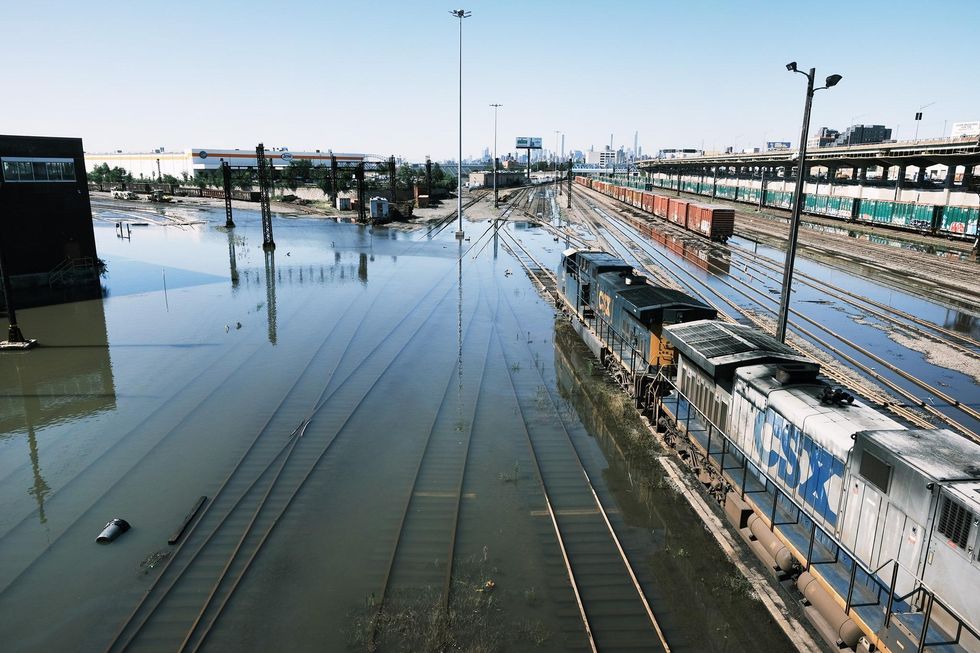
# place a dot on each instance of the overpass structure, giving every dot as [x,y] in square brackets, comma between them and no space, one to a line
[953,159]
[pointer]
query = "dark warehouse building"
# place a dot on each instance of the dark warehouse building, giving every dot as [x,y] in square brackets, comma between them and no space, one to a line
[44,206]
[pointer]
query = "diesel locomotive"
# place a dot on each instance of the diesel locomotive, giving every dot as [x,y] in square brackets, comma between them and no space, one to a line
[878,523]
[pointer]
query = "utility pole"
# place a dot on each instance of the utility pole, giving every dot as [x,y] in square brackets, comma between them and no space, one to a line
[263,165]
[495,163]
[359,177]
[333,178]
[226,179]
[392,189]
[428,177]
[557,161]
[569,193]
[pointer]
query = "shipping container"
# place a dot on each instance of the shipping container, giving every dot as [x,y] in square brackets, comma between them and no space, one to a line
[725,191]
[677,212]
[715,222]
[779,199]
[959,220]
[647,202]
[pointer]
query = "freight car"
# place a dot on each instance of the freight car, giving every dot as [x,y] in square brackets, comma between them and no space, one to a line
[936,219]
[714,222]
[876,523]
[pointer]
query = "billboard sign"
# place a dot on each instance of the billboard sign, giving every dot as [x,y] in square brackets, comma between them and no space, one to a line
[777,145]
[961,129]
[528,143]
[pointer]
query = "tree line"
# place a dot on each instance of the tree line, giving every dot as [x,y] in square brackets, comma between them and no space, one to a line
[297,173]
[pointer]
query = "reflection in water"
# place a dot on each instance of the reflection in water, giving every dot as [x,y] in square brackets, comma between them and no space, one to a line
[232,259]
[57,384]
[40,488]
[962,323]
[459,333]
[270,292]
[301,275]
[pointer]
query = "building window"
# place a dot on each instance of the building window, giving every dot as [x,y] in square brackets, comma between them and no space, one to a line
[33,169]
[875,471]
[954,522]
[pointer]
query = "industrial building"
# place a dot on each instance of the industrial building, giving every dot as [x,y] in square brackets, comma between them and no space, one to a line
[44,202]
[485,179]
[853,135]
[155,164]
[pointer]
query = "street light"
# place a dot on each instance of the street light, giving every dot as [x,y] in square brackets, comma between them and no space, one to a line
[918,119]
[495,107]
[557,185]
[794,222]
[460,14]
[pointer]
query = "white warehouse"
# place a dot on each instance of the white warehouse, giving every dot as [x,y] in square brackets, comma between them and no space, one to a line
[151,165]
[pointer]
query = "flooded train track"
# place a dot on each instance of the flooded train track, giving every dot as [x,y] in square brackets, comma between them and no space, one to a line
[442,223]
[190,592]
[21,558]
[200,404]
[772,269]
[612,606]
[919,402]
[424,546]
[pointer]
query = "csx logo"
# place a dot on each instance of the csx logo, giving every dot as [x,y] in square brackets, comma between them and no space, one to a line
[605,303]
[799,463]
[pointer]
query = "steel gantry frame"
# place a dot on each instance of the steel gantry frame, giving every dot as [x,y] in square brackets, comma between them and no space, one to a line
[268,243]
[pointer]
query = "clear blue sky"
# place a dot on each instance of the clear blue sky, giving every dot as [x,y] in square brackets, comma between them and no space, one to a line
[381,76]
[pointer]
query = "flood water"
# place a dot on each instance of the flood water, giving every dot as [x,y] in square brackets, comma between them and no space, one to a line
[404,373]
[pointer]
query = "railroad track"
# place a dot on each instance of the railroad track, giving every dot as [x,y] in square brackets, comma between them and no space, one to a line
[950,280]
[772,269]
[612,606]
[439,226]
[540,274]
[429,521]
[866,369]
[200,401]
[192,589]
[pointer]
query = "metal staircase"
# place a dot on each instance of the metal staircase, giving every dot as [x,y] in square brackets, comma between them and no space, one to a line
[73,270]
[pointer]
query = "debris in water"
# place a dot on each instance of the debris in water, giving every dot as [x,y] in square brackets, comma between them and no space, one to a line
[112,530]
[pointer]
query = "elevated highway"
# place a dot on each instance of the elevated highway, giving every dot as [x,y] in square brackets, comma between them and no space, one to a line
[958,156]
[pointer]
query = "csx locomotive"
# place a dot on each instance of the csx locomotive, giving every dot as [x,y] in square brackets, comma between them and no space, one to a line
[877,522]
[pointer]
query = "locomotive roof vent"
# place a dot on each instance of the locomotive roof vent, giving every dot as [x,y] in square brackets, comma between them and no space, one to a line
[632,278]
[836,397]
[788,373]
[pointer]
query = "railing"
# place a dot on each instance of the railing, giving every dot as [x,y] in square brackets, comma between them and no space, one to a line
[924,593]
[69,267]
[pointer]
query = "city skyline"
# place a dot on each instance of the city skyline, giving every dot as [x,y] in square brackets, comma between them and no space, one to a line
[336,76]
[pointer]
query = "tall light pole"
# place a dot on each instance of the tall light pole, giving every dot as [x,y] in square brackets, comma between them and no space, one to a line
[918,119]
[557,185]
[794,222]
[460,14]
[495,107]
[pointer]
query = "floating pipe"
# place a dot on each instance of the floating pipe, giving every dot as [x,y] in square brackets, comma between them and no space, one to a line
[112,530]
